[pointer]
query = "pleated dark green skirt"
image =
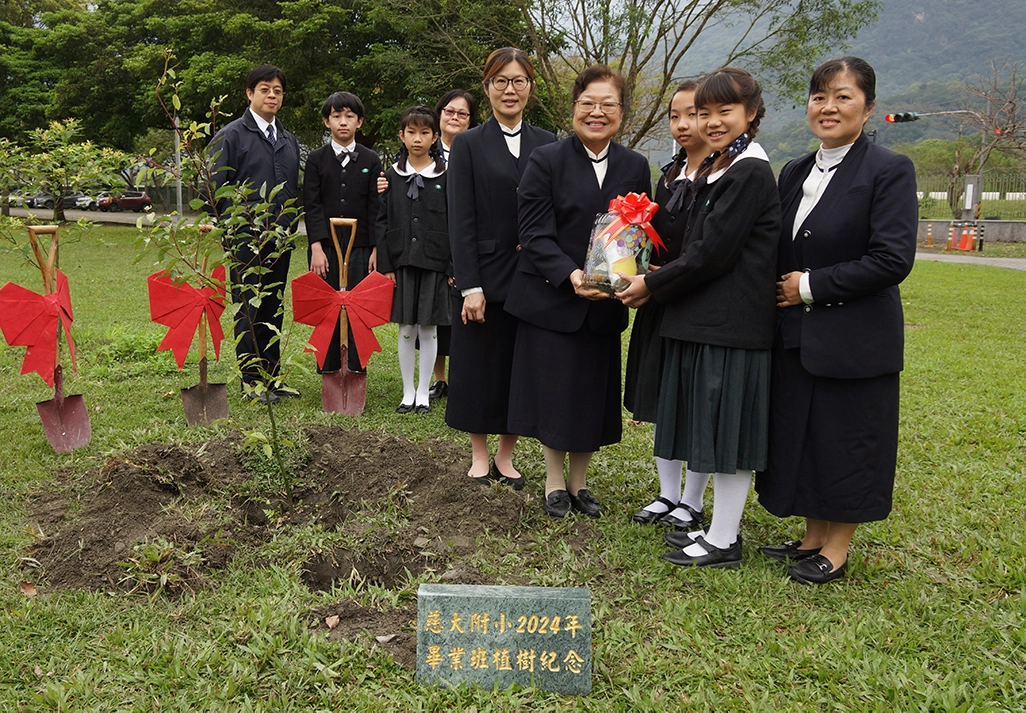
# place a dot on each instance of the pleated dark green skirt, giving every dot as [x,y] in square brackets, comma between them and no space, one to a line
[713,409]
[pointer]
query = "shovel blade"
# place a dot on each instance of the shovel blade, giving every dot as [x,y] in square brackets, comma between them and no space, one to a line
[343,391]
[65,422]
[204,404]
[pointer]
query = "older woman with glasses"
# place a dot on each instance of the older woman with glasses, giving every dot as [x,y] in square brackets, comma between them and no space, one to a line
[485,166]
[565,389]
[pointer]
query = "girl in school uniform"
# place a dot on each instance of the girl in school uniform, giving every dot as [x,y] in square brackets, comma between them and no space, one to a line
[720,302]
[673,508]
[413,250]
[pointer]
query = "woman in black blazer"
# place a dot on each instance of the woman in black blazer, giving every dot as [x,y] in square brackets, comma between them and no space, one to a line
[485,165]
[565,389]
[848,240]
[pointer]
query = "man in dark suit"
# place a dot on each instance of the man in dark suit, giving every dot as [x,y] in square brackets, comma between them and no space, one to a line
[257,153]
[339,182]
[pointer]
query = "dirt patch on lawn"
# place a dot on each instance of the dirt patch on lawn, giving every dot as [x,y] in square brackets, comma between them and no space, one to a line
[167,517]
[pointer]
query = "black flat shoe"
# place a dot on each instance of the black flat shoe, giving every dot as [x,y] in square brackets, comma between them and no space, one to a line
[585,503]
[557,503]
[422,408]
[697,521]
[494,476]
[788,551]
[815,569]
[438,390]
[647,517]
[284,391]
[715,558]
[404,408]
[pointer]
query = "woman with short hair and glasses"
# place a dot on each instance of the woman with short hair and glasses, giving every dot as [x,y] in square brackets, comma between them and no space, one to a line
[565,389]
[485,166]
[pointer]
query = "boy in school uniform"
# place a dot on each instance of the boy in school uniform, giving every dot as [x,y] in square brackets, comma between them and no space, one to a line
[340,182]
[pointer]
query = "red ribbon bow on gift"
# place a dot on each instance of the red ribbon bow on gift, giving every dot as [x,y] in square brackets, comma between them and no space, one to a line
[317,303]
[180,306]
[634,209]
[29,319]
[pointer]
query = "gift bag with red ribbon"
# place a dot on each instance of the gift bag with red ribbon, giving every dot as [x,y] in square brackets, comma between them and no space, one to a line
[621,242]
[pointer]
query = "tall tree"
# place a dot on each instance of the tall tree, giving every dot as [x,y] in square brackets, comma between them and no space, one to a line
[648,40]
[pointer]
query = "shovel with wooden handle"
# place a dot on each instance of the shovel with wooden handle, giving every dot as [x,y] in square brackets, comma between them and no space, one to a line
[204,403]
[343,391]
[65,418]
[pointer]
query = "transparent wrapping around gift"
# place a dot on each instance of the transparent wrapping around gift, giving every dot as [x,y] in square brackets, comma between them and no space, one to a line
[626,252]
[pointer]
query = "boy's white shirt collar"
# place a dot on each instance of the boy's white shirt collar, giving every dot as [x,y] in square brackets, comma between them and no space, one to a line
[753,150]
[339,148]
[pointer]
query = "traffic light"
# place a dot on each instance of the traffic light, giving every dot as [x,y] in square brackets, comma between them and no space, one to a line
[901,117]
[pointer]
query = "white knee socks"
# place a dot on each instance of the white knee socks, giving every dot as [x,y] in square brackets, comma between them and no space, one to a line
[428,350]
[407,359]
[731,493]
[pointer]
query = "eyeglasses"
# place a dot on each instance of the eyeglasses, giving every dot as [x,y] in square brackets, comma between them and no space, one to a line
[265,90]
[456,112]
[519,83]
[605,107]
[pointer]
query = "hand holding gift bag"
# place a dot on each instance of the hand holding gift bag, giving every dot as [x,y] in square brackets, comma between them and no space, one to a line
[621,242]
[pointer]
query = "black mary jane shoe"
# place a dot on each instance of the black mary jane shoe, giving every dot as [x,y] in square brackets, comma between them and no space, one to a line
[697,521]
[422,408]
[715,557]
[815,569]
[496,476]
[557,503]
[404,408]
[647,517]
[585,503]
[788,551]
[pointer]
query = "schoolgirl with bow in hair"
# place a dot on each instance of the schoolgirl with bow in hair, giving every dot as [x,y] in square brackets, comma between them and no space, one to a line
[413,250]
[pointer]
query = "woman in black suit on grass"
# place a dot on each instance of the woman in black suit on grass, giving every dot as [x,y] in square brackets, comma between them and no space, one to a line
[848,240]
[485,166]
[565,389]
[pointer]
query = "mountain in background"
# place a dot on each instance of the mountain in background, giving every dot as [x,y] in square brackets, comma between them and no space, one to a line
[922,51]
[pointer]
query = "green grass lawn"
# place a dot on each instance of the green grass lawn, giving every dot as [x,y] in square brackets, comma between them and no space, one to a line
[931,617]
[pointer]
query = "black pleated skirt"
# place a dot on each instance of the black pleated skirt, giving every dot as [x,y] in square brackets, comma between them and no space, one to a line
[713,408]
[565,388]
[833,444]
[644,363]
[421,297]
[480,364]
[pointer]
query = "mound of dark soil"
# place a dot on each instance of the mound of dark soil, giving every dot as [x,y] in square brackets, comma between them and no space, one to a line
[162,510]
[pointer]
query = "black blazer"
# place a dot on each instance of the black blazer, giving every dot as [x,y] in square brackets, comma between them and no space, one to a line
[559,199]
[722,288]
[857,245]
[483,180]
[330,191]
[413,233]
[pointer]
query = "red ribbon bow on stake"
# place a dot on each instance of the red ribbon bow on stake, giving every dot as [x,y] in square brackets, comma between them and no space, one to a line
[29,319]
[316,303]
[180,306]
[634,209]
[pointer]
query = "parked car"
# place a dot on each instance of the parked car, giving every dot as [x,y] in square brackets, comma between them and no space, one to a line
[85,202]
[45,200]
[129,200]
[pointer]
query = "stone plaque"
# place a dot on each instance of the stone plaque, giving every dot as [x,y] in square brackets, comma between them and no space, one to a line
[532,636]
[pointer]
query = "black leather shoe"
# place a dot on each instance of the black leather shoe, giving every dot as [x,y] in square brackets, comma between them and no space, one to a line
[715,558]
[404,408]
[284,391]
[422,408]
[585,503]
[788,551]
[438,390]
[815,569]
[647,517]
[697,521]
[557,503]
[496,476]
[262,397]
